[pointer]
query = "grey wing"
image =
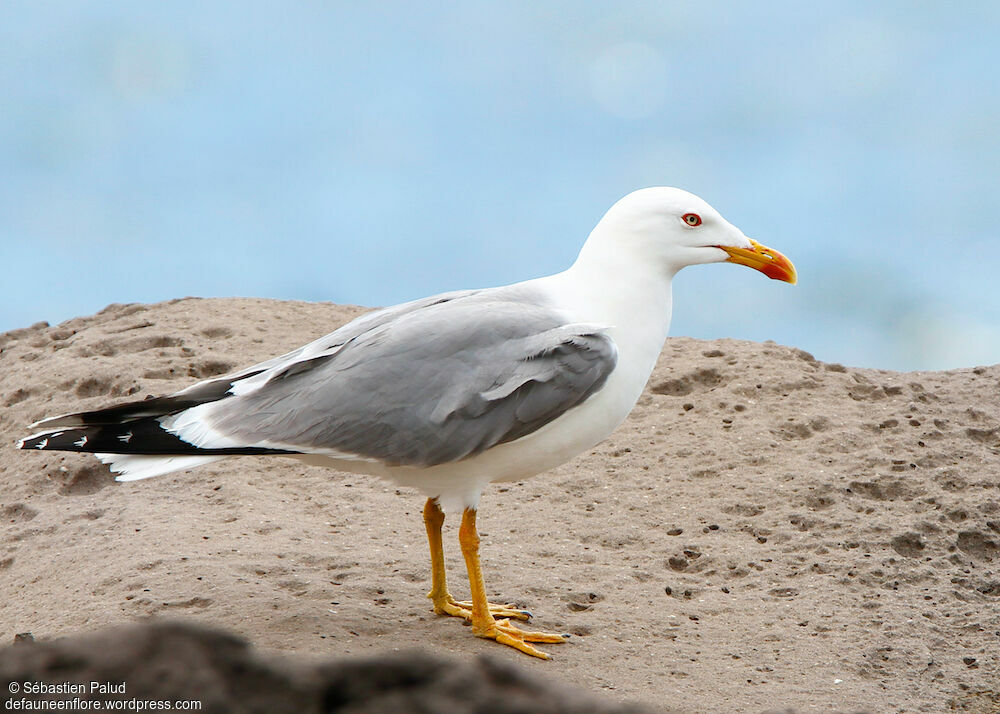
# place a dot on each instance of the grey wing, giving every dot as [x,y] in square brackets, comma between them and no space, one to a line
[430,386]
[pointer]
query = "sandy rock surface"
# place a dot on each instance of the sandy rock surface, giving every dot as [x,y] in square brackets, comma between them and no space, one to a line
[765,533]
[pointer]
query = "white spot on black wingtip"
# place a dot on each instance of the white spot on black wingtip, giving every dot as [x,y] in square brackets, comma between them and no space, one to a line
[82,442]
[43,443]
[126,437]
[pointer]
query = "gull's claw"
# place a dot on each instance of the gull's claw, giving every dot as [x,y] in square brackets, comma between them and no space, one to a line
[506,633]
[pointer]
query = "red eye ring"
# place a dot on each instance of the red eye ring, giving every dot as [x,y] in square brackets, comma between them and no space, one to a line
[692,219]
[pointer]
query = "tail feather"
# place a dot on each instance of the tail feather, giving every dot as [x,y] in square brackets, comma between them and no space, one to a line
[131,437]
[135,467]
[136,449]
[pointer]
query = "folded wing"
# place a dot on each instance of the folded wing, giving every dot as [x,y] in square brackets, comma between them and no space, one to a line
[425,383]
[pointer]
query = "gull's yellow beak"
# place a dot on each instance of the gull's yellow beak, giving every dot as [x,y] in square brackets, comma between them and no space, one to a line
[767,260]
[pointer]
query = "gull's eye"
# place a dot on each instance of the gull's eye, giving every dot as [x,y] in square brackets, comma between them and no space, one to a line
[692,219]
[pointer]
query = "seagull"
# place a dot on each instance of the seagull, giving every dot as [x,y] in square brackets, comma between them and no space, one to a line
[448,393]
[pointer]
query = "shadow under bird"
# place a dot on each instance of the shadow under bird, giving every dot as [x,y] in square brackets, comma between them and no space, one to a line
[449,393]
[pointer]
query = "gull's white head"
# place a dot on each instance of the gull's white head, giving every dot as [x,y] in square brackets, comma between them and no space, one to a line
[670,228]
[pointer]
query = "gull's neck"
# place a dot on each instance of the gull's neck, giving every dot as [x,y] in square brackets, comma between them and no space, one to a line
[615,287]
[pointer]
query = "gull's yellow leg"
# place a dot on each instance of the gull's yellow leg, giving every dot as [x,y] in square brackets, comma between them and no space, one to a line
[483,622]
[444,603]
[433,520]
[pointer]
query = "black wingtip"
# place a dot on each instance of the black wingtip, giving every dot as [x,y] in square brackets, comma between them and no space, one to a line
[145,436]
[65,440]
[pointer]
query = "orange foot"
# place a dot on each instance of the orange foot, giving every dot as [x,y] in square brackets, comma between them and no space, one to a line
[504,632]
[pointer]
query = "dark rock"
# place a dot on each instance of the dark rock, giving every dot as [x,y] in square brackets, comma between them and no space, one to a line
[171,661]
